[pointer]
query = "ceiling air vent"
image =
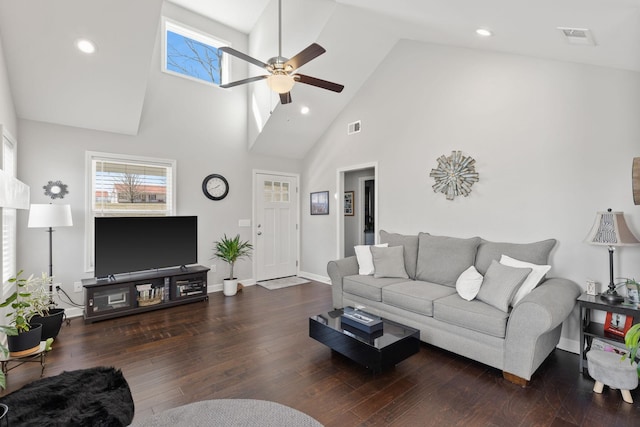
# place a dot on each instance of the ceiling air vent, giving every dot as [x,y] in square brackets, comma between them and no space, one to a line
[580,36]
[354,127]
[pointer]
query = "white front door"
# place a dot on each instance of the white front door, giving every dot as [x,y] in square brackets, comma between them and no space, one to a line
[276,226]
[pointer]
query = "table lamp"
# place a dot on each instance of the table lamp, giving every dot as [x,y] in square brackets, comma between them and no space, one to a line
[49,216]
[610,229]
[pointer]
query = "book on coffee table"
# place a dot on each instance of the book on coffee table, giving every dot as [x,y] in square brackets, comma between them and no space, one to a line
[361,320]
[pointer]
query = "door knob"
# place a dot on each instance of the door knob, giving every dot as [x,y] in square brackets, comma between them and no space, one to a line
[259,233]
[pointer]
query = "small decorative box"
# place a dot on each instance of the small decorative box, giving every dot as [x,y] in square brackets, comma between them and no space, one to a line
[361,320]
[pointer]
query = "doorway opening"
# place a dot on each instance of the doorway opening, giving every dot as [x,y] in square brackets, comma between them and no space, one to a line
[358,223]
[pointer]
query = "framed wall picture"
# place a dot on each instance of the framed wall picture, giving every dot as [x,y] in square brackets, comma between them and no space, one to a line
[348,203]
[617,324]
[320,203]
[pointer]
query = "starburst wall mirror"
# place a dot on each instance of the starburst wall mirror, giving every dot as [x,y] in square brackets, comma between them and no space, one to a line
[454,175]
[55,189]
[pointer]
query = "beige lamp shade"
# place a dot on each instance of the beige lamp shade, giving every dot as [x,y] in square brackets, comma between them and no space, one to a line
[49,215]
[610,229]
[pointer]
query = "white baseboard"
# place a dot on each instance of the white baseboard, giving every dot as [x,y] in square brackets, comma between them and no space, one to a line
[569,345]
[316,277]
[217,287]
[73,312]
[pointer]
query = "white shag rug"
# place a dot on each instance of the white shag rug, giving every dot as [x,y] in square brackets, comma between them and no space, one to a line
[283,282]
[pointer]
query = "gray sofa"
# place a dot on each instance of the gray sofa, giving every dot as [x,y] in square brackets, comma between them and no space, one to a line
[514,339]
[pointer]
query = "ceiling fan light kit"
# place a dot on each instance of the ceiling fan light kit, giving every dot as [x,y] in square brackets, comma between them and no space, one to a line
[280,83]
[281,78]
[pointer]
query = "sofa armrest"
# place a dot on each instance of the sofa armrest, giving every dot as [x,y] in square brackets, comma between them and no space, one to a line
[535,324]
[337,270]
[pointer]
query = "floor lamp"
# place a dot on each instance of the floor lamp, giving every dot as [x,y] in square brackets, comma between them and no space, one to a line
[49,216]
[610,229]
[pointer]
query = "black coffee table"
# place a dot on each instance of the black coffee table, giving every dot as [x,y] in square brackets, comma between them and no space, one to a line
[391,346]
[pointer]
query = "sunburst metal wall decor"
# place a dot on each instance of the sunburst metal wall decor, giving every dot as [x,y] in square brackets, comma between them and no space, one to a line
[454,175]
[55,189]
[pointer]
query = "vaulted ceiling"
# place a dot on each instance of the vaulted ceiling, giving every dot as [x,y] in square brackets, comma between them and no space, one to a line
[50,82]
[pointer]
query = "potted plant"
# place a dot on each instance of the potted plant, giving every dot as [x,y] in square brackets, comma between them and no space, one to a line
[42,302]
[27,339]
[230,251]
[632,341]
[8,331]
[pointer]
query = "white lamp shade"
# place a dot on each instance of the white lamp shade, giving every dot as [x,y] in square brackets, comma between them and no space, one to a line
[610,229]
[49,215]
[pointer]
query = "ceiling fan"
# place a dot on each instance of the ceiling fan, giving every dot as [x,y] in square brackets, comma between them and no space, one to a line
[282,76]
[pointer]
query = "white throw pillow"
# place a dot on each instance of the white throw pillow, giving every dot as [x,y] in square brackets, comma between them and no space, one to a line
[532,280]
[365,259]
[468,284]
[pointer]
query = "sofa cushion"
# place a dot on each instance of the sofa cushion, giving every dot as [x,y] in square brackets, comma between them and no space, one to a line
[365,258]
[536,253]
[367,286]
[410,244]
[415,296]
[532,280]
[474,315]
[443,259]
[389,262]
[500,284]
[468,284]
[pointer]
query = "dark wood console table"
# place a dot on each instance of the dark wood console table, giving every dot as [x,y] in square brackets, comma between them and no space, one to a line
[144,291]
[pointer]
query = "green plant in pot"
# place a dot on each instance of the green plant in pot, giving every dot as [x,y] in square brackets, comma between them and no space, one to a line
[231,250]
[47,314]
[8,331]
[632,342]
[27,339]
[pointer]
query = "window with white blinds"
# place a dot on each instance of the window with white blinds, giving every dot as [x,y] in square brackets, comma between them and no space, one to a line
[127,186]
[9,224]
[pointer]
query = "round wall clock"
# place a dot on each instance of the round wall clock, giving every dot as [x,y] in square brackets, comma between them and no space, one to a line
[215,187]
[454,175]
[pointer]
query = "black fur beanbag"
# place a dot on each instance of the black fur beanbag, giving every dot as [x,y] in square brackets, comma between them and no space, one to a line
[87,397]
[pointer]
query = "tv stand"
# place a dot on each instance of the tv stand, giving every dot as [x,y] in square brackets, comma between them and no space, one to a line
[133,293]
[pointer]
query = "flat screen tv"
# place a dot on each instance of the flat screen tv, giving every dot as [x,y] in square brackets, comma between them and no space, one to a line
[130,244]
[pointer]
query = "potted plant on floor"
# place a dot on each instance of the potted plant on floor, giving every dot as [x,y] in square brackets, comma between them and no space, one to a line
[230,251]
[47,314]
[27,339]
[8,331]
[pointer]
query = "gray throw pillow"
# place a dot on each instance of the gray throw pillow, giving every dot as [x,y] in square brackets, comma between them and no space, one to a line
[388,262]
[410,245]
[500,284]
[535,253]
[443,259]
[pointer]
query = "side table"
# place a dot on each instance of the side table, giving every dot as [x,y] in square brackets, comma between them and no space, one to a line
[590,329]
[37,356]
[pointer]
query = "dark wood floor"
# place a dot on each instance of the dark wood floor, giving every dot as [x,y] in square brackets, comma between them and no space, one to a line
[256,346]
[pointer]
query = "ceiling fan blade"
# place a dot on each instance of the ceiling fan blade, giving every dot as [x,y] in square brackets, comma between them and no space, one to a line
[243,81]
[285,98]
[318,82]
[238,54]
[307,54]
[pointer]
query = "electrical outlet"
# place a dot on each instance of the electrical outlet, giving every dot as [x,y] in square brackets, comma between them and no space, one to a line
[213,268]
[77,286]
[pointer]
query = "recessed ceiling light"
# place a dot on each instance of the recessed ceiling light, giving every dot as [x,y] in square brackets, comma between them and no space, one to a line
[304,110]
[85,46]
[483,32]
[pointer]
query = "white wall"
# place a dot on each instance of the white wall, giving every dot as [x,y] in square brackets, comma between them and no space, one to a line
[202,127]
[7,109]
[553,142]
